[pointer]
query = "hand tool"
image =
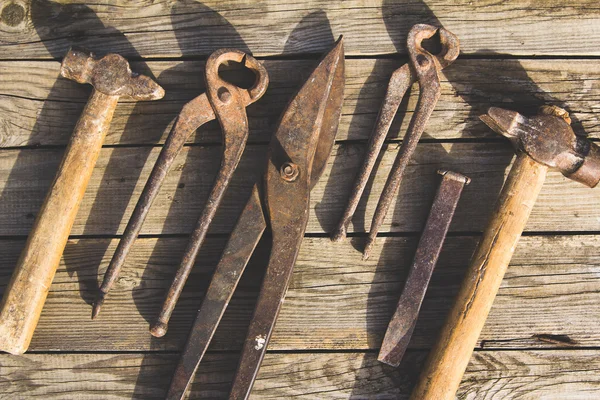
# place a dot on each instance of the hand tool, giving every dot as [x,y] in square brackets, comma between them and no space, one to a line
[296,159]
[403,321]
[541,142]
[424,68]
[227,103]
[26,293]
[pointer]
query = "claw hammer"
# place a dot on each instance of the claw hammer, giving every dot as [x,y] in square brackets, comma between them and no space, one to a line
[26,293]
[541,142]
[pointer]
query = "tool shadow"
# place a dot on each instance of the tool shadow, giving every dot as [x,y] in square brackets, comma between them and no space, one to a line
[480,84]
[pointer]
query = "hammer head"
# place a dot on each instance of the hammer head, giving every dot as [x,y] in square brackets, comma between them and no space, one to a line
[549,139]
[110,75]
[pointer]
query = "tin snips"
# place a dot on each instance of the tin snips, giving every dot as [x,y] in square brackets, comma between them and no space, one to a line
[227,103]
[296,159]
[423,68]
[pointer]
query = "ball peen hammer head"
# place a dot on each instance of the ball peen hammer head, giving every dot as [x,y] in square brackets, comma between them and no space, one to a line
[549,139]
[110,75]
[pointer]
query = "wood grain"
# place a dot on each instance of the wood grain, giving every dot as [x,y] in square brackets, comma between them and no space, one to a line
[38,108]
[168,28]
[524,374]
[120,174]
[336,301]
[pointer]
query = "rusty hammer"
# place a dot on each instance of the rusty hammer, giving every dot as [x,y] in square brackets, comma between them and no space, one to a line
[541,142]
[27,290]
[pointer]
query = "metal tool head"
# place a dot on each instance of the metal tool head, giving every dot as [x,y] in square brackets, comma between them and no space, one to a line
[110,75]
[223,100]
[306,131]
[549,139]
[224,90]
[421,58]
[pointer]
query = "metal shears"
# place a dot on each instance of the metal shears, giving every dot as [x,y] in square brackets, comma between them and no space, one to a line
[227,103]
[423,68]
[296,159]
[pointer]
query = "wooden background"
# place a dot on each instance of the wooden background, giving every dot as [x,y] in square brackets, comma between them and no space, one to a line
[542,339]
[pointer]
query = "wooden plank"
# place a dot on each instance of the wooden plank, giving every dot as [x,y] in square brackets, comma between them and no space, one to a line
[527,374]
[336,301]
[39,108]
[43,29]
[120,174]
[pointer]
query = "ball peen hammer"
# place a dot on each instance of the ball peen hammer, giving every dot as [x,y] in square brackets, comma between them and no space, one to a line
[541,142]
[26,293]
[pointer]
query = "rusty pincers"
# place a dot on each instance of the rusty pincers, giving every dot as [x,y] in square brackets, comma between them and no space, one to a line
[424,68]
[227,103]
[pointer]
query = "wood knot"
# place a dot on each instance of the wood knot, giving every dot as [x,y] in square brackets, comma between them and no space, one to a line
[13,14]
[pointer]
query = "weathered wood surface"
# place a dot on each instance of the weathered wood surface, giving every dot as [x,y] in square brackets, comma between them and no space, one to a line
[121,173]
[168,28]
[540,339]
[336,301]
[37,107]
[525,374]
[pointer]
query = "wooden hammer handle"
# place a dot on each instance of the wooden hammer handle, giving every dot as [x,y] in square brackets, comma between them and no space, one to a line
[450,356]
[27,290]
